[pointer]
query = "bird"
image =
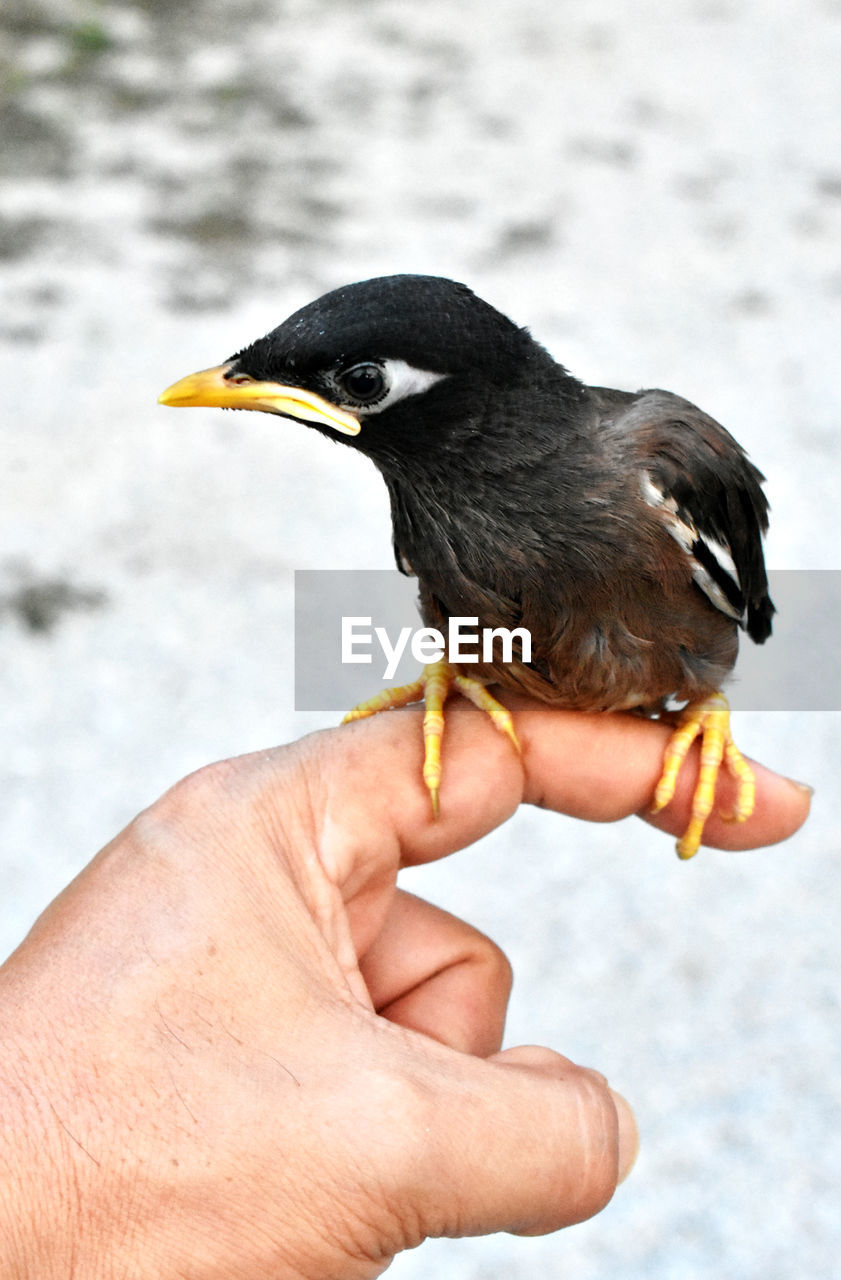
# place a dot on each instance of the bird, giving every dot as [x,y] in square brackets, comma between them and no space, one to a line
[622,529]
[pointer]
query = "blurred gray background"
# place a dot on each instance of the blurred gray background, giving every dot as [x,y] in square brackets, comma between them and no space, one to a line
[656,190]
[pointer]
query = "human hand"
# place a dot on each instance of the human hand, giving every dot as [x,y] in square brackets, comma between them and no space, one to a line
[231,1047]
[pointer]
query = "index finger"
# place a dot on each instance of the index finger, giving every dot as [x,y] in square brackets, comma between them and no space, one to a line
[599,767]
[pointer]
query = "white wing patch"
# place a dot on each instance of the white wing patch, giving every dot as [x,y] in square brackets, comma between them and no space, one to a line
[684,532]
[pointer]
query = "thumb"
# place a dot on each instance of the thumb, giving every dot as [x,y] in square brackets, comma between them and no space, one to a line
[526,1142]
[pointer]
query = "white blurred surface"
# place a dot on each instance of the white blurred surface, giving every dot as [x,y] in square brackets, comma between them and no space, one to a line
[657,192]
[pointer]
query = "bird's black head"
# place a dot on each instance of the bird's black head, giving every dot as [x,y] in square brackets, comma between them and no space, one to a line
[429,322]
[375,361]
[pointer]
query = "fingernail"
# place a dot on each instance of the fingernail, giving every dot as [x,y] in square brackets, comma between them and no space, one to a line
[802,786]
[629,1138]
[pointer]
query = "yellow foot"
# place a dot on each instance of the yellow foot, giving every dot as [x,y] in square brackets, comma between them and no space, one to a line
[433,688]
[710,718]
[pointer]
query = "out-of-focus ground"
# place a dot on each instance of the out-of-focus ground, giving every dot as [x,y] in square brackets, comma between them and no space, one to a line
[656,191]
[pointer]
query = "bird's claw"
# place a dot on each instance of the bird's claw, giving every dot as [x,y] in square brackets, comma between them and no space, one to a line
[434,687]
[711,719]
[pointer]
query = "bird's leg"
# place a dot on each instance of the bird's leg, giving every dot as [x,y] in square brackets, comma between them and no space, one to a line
[437,681]
[711,719]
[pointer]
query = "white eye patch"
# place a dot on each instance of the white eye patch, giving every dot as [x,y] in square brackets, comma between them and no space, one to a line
[402,380]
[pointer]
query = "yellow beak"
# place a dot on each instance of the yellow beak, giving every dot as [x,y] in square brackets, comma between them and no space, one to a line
[212,389]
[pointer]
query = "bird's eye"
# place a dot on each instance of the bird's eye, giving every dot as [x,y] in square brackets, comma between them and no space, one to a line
[364,383]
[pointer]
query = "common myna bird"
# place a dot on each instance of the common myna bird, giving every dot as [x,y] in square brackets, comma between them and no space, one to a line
[622,529]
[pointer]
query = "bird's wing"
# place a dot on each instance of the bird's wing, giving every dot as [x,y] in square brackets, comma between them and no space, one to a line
[710,498]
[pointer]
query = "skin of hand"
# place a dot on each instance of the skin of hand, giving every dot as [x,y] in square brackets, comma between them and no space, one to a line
[232,1047]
